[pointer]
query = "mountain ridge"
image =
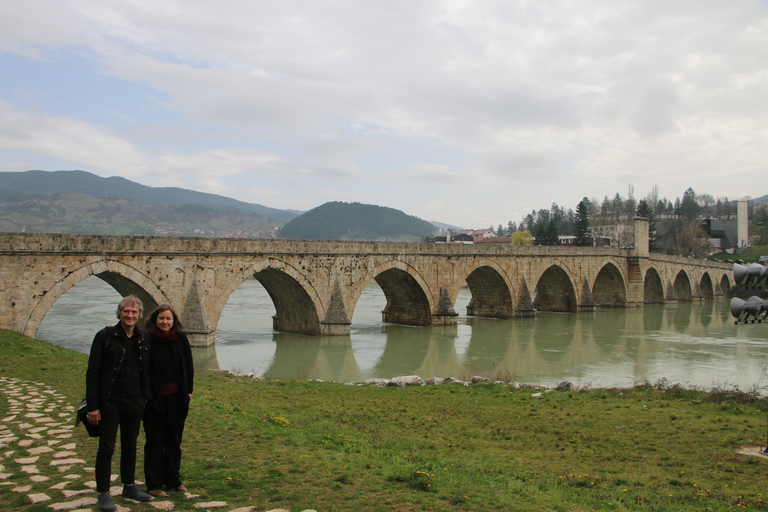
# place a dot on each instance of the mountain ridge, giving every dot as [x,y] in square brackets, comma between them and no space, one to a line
[45,183]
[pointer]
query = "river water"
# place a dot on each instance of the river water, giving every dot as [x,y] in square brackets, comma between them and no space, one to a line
[694,344]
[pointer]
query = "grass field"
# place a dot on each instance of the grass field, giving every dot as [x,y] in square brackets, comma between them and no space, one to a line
[328,446]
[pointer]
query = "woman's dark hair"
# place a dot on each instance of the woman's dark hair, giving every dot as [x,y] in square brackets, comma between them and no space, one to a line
[151,321]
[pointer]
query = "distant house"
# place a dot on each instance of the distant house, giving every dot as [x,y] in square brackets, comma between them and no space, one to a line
[483,233]
[570,240]
[461,236]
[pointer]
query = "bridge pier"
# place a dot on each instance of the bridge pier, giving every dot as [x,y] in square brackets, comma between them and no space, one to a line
[329,329]
[200,339]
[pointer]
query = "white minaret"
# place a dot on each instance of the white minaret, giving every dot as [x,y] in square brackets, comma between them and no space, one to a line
[742,211]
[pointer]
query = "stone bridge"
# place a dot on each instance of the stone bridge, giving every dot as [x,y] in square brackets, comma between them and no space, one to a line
[315,285]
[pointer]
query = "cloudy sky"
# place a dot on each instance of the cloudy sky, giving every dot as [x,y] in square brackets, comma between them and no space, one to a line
[471,113]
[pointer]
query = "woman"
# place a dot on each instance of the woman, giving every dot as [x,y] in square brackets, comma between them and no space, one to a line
[172,376]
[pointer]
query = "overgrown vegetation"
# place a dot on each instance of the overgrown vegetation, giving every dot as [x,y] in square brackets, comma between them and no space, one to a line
[329,446]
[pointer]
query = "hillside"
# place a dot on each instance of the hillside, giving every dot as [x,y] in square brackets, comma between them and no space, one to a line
[83,214]
[355,221]
[44,183]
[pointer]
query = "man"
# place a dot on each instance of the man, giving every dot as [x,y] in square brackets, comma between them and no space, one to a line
[117,390]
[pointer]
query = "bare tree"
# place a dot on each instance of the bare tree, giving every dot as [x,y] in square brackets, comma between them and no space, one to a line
[707,202]
[630,205]
[653,198]
[689,240]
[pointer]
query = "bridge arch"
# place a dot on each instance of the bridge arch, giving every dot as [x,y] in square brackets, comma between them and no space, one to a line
[125,279]
[298,307]
[555,291]
[407,302]
[682,287]
[706,287]
[653,288]
[725,285]
[609,288]
[409,298]
[492,293]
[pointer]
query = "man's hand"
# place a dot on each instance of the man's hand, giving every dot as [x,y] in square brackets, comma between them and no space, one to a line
[94,417]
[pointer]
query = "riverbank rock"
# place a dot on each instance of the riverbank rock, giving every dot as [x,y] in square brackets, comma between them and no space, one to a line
[409,380]
[378,382]
[447,380]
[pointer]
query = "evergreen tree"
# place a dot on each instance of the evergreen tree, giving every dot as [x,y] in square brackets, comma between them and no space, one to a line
[528,223]
[552,238]
[689,207]
[605,207]
[644,210]
[581,224]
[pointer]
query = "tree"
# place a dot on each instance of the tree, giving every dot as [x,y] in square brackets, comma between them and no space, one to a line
[630,204]
[707,203]
[528,222]
[547,235]
[653,198]
[689,207]
[688,239]
[581,224]
[617,207]
[521,238]
[552,238]
[727,209]
[593,207]
[661,206]
[605,207]
[644,210]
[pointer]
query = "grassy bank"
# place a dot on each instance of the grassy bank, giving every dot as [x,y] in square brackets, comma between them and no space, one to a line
[328,446]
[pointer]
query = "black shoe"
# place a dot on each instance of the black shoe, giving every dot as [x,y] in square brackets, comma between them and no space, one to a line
[134,493]
[105,502]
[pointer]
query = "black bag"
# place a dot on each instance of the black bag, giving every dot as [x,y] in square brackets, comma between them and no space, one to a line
[82,417]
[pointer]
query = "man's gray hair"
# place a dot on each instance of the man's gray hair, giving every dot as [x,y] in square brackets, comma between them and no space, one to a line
[130,299]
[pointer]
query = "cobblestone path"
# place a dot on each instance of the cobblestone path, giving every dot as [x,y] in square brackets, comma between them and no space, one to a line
[39,459]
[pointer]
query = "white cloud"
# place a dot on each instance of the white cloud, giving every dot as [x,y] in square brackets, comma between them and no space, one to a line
[555,100]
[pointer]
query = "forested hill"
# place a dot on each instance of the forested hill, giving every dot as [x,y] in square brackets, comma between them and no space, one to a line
[355,221]
[47,183]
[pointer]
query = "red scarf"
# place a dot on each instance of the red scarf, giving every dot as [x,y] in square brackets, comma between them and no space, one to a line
[164,337]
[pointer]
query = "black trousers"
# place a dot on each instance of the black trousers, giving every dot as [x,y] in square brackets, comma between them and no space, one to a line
[126,416]
[162,453]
